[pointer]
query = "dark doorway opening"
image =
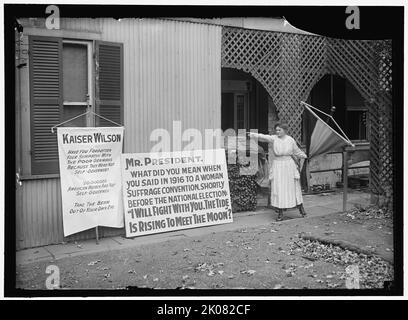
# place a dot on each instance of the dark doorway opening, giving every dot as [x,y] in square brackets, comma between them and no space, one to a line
[350,113]
[245,103]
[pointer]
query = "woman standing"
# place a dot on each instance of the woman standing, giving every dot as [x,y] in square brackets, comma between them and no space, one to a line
[284,174]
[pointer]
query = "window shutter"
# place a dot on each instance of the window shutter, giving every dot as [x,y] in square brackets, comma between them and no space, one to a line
[46,102]
[109,82]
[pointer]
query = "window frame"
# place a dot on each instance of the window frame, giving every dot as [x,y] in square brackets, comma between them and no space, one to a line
[245,95]
[90,62]
[90,103]
[361,109]
[24,163]
[238,88]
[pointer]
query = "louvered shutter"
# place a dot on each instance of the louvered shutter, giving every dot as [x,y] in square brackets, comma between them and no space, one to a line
[109,82]
[46,102]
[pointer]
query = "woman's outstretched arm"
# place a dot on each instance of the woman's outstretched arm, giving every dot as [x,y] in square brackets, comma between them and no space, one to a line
[262,137]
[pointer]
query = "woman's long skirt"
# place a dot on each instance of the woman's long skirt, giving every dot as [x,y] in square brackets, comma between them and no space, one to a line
[285,183]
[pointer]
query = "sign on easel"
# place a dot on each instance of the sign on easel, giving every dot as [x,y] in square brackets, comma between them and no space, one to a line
[175,190]
[89,160]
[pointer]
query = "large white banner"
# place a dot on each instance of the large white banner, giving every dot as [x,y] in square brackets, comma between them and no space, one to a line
[89,160]
[171,191]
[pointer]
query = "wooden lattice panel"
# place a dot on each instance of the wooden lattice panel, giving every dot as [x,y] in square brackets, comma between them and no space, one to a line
[368,67]
[382,119]
[289,65]
[254,52]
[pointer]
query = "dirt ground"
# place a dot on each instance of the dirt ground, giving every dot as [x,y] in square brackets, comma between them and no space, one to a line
[267,257]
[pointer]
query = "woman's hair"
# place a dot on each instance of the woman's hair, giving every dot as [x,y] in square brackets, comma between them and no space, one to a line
[283,126]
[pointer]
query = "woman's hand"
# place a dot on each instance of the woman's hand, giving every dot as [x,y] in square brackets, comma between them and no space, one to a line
[300,156]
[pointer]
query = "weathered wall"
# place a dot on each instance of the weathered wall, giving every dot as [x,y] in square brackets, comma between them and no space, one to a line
[172,71]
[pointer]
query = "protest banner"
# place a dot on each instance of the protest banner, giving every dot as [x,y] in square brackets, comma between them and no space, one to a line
[89,160]
[174,190]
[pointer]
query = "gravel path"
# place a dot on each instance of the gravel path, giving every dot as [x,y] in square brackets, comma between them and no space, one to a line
[267,257]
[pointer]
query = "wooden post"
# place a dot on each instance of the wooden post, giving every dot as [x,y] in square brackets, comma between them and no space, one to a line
[97,235]
[90,122]
[307,168]
[345,178]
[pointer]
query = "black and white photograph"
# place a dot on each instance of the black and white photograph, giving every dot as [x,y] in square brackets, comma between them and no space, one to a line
[230,150]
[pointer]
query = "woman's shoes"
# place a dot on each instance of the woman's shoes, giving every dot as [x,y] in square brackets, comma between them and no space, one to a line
[280,215]
[302,210]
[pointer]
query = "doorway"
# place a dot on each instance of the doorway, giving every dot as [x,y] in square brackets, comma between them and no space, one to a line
[245,104]
[350,111]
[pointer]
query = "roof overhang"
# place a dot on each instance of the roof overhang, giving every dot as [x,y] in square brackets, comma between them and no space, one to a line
[277,24]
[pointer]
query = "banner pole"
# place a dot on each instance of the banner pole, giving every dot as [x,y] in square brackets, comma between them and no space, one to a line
[345,179]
